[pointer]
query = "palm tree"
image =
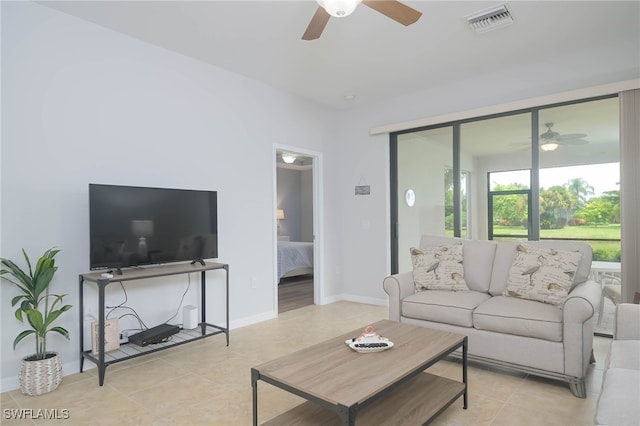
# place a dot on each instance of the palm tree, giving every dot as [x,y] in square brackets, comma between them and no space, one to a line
[580,188]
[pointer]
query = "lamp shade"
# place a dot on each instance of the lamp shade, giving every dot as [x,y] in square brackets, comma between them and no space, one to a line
[280,214]
[142,228]
[339,8]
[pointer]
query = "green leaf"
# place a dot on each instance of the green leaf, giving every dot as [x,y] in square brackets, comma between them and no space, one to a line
[55,314]
[18,273]
[61,330]
[35,319]
[28,262]
[16,299]
[22,336]
[18,314]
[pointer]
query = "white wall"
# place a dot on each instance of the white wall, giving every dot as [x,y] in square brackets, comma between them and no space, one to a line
[84,104]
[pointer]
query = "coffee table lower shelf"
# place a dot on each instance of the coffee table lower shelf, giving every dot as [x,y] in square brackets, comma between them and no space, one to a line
[416,402]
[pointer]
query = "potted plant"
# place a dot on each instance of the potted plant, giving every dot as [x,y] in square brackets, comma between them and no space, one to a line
[40,372]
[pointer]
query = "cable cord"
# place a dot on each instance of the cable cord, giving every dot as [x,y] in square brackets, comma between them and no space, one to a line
[181,299]
[121,305]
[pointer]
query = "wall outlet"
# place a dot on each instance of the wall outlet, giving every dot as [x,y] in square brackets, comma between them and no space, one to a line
[254,283]
[124,337]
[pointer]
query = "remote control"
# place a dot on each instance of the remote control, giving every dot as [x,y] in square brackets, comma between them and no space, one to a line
[371,345]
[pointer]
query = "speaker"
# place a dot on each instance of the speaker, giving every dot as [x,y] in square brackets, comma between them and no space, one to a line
[189,317]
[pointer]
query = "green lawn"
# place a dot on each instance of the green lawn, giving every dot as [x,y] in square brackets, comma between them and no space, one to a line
[606,232]
[602,250]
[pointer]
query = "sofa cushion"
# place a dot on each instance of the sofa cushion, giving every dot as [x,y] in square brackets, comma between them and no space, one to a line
[624,354]
[618,401]
[478,257]
[506,250]
[542,274]
[448,307]
[438,268]
[520,317]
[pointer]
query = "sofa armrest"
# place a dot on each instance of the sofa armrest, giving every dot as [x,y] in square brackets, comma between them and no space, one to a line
[578,312]
[398,287]
[627,322]
[582,302]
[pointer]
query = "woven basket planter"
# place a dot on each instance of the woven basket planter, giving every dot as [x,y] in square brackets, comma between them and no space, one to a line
[40,376]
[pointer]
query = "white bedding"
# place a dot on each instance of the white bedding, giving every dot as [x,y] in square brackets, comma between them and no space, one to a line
[293,255]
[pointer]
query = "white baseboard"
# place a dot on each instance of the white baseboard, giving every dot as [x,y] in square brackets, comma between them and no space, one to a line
[354,298]
[362,299]
[243,322]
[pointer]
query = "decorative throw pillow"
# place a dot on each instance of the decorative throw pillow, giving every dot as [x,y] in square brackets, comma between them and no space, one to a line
[542,274]
[438,268]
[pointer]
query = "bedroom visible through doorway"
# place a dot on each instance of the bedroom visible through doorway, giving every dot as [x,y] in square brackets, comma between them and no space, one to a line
[294,229]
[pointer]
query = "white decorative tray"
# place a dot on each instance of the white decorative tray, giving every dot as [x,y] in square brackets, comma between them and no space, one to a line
[369,341]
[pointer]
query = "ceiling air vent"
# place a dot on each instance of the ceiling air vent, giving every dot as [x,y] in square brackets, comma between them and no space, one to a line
[490,19]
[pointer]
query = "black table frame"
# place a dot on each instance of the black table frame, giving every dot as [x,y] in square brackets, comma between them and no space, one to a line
[144,273]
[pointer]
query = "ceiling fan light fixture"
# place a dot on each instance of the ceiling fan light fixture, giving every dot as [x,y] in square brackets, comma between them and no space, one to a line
[288,158]
[339,8]
[549,146]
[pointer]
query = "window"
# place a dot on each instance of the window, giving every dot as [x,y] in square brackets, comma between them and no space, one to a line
[525,175]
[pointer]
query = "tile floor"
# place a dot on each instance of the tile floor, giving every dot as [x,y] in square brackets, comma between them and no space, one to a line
[207,383]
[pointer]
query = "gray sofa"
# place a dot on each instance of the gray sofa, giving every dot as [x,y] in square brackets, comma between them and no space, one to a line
[618,403]
[526,335]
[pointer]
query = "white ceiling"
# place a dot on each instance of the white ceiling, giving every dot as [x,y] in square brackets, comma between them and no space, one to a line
[369,55]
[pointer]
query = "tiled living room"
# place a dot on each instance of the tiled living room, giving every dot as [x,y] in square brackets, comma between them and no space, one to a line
[209,96]
[208,383]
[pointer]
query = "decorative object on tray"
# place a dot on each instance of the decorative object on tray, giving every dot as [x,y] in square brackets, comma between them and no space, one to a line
[369,341]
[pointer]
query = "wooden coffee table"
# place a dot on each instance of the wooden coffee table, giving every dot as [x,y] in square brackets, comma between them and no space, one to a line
[388,387]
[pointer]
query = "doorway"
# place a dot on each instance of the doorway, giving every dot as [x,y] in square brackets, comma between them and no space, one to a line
[296,188]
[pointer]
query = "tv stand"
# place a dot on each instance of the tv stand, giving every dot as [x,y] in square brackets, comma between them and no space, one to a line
[128,351]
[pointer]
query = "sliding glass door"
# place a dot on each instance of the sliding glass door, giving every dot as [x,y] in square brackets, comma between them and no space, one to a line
[422,196]
[548,172]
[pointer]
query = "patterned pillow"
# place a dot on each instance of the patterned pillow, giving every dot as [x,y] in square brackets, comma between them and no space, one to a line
[438,268]
[542,274]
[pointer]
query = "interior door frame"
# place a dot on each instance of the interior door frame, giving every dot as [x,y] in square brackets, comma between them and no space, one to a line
[318,228]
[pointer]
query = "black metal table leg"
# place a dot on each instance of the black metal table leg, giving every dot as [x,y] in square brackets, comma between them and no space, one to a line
[254,387]
[81,309]
[464,372]
[101,366]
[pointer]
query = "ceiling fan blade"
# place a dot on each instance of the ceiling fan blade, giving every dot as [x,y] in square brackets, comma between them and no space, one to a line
[395,10]
[569,136]
[317,24]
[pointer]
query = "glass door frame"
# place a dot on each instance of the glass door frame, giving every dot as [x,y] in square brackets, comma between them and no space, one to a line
[534,201]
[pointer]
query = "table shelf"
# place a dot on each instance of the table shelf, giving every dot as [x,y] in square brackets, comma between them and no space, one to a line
[130,350]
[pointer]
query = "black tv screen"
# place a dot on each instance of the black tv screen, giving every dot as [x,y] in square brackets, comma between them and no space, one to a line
[131,226]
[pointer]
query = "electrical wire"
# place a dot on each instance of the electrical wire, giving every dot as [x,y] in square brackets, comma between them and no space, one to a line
[181,299]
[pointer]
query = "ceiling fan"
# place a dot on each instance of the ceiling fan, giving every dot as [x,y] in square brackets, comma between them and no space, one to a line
[550,140]
[340,8]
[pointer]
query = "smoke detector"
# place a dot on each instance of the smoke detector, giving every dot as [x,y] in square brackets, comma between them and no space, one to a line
[490,19]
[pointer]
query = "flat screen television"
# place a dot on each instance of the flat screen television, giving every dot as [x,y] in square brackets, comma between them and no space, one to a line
[132,226]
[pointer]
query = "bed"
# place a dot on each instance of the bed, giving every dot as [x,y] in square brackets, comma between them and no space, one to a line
[294,258]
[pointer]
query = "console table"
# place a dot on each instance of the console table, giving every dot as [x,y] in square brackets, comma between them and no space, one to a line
[128,351]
